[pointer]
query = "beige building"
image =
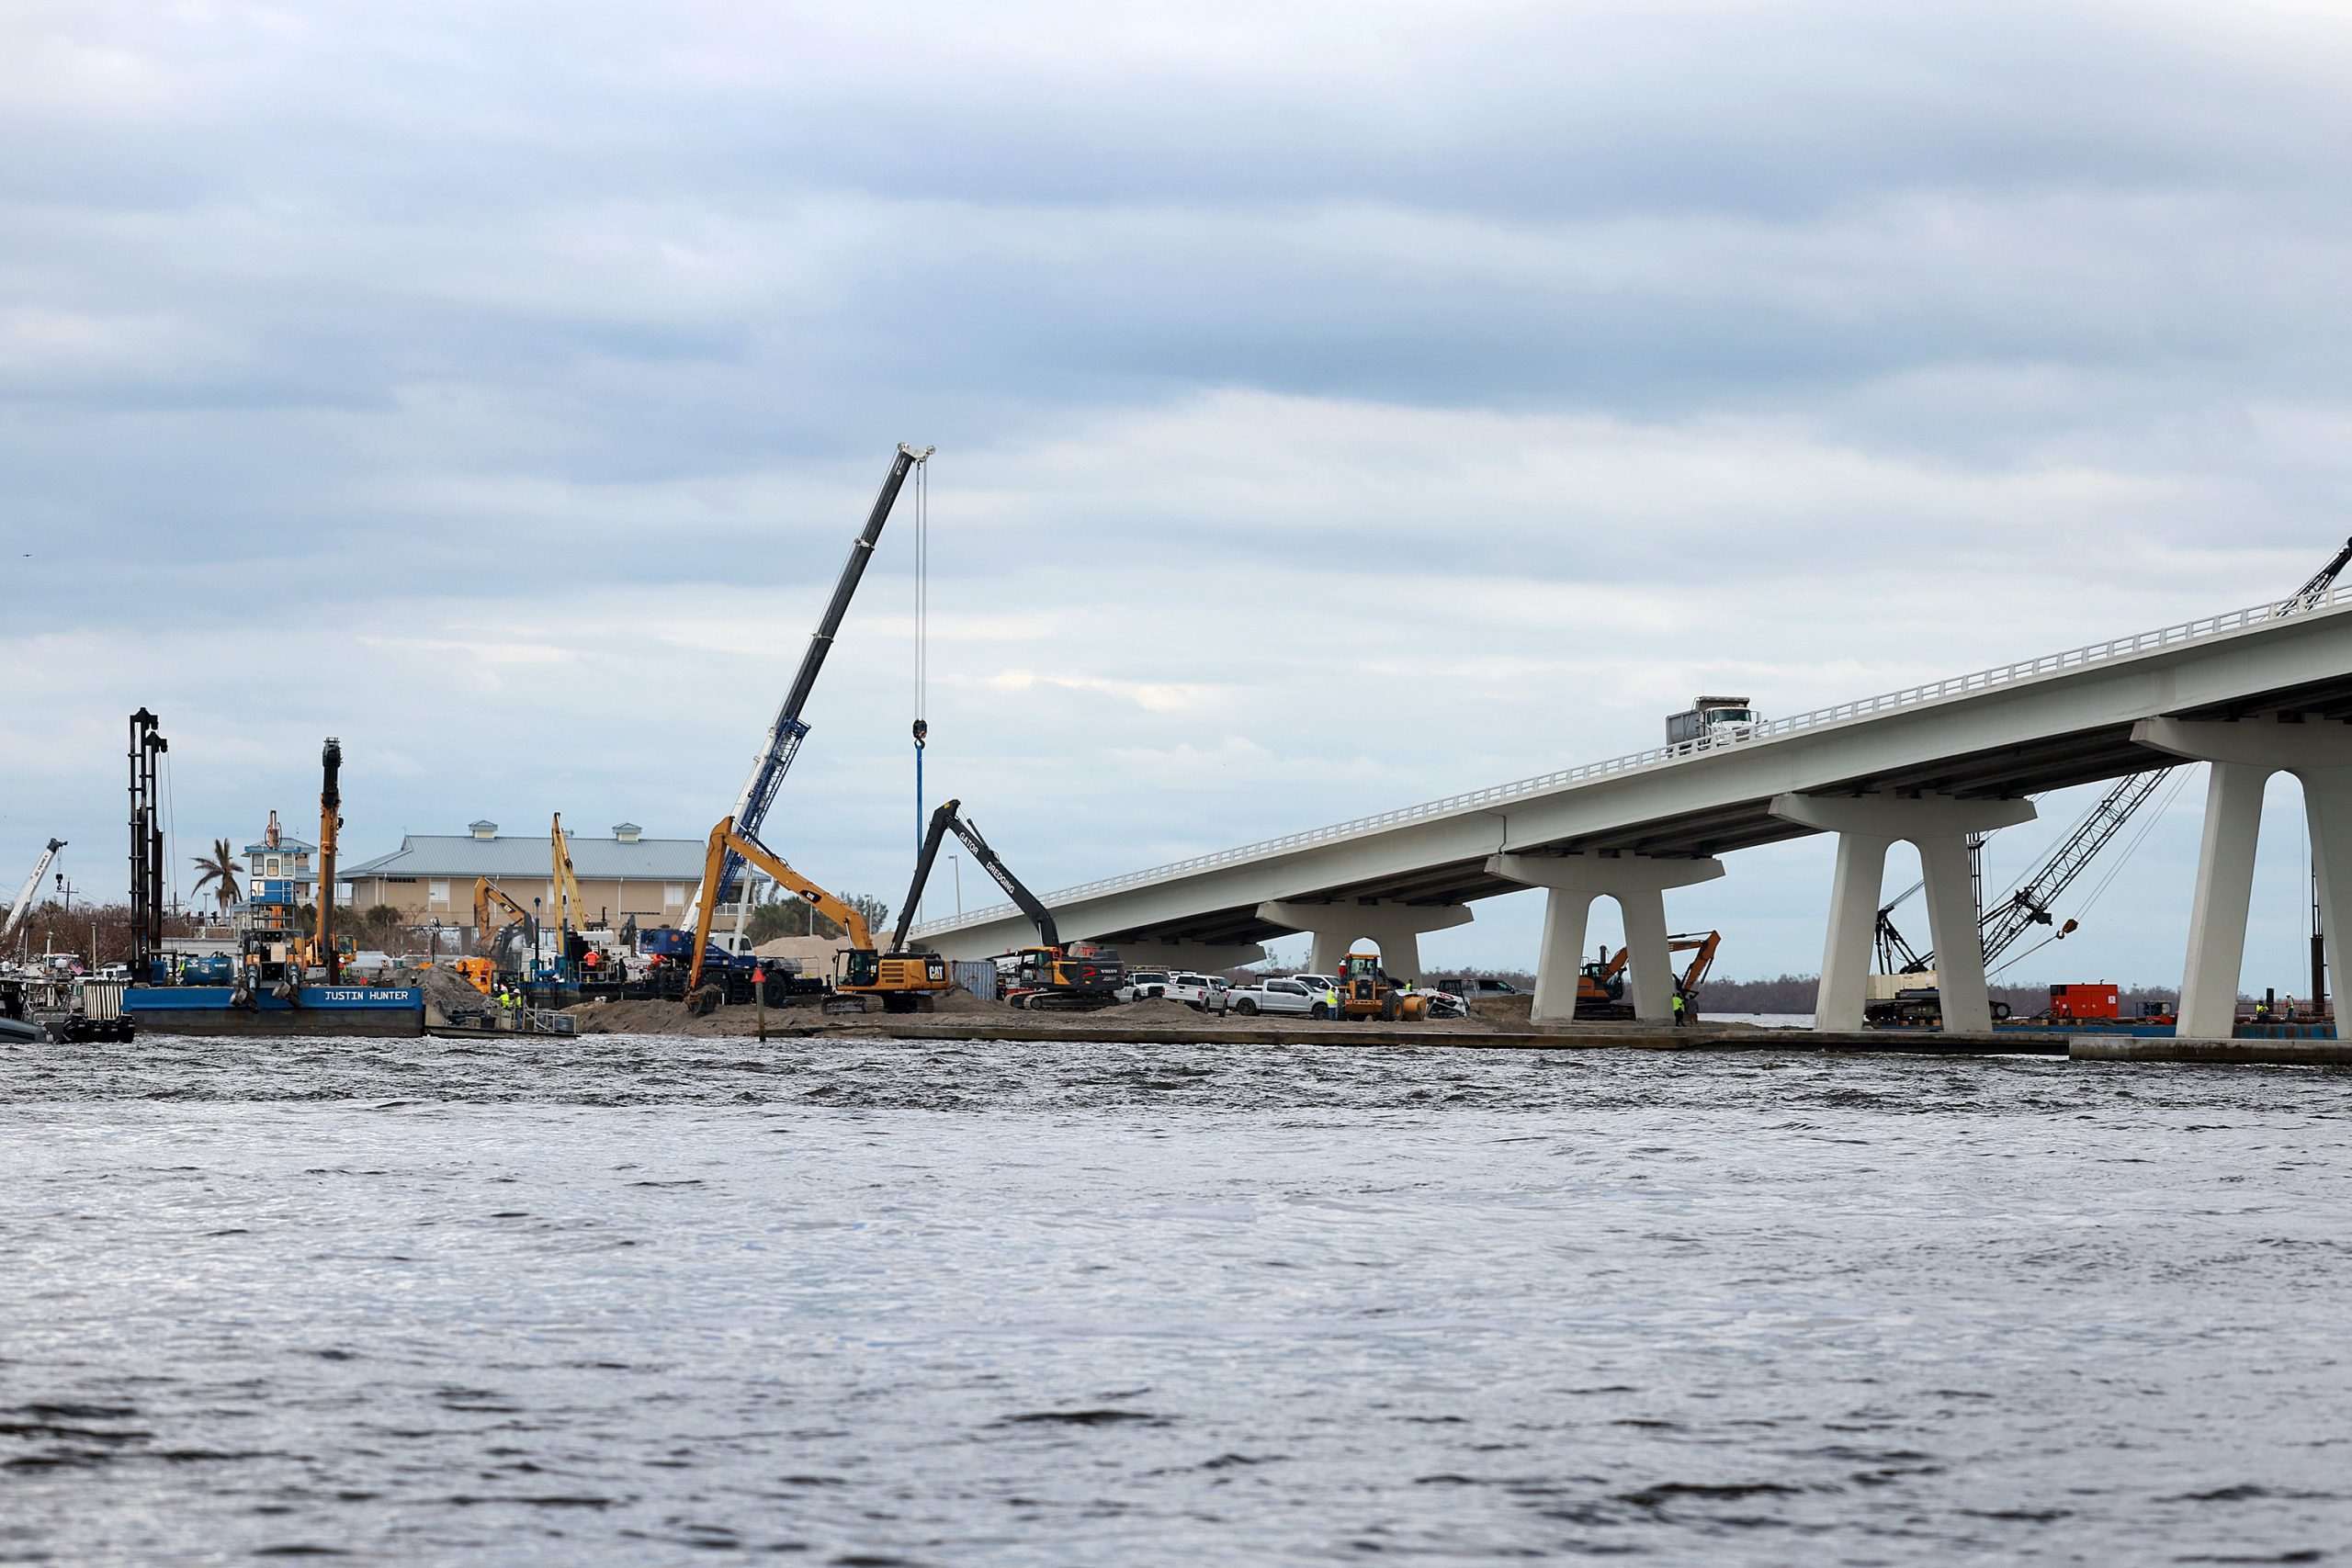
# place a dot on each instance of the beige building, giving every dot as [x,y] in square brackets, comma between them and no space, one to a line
[622,878]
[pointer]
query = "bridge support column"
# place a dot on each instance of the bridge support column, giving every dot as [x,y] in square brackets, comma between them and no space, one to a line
[2245,753]
[1398,928]
[1939,825]
[1639,885]
[1855,888]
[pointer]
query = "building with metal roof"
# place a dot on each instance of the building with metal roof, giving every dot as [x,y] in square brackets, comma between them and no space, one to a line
[431,875]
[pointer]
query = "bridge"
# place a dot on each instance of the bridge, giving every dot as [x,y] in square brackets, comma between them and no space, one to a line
[2253,692]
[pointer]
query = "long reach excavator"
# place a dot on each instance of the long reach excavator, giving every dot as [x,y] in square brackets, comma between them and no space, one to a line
[1052,975]
[905,982]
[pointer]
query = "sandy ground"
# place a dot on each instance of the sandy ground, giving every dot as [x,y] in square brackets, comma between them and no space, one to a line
[1491,1015]
[671,1018]
[444,989]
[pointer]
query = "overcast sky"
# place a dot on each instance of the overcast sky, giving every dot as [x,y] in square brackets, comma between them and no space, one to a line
[1338,405]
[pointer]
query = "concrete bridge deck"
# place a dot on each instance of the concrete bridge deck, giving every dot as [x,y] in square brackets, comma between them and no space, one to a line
[1999,734]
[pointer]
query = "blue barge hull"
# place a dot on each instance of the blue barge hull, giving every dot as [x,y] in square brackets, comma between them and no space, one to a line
[379,1011]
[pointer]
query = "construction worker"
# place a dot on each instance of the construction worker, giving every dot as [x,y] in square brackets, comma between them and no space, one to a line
[1681,1011]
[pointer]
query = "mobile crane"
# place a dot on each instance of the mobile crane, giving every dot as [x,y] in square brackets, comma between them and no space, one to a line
[1072,978]
[905,981]
[785,734]
[23,904]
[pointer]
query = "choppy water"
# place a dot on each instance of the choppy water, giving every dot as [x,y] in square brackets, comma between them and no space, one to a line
[641,1301]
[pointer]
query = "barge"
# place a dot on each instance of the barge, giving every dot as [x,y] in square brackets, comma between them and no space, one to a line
[384,1011]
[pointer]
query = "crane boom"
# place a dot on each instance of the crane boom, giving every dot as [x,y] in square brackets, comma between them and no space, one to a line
[2000,926]
[2029,905]
[23,904]
[2312,594]
[945,820]
[785,734]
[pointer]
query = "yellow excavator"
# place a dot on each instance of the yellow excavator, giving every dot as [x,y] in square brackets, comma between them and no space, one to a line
[1054,975]
[487,893]
[570,909]
[478,971]
[905,981]
[1600,985]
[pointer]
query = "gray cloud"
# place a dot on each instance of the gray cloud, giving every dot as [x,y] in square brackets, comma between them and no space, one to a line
[522,363]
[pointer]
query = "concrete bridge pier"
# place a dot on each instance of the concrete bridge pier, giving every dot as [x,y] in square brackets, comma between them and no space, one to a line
[1938,827]
[1638,884]
[2245,753]
[1395,927]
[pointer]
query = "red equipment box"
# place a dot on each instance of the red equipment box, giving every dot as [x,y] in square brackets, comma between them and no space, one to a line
[2085,1001]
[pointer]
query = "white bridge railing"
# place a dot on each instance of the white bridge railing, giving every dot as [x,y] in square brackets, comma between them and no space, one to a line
[2113,650]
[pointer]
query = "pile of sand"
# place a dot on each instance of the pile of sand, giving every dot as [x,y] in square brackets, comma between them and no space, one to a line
[956,999]
[448,992]
[1508,1012]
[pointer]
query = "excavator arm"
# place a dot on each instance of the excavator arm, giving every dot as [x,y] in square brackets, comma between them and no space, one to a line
[1702,944]
[947,819]
[725,840]
[487,893]
[570,911]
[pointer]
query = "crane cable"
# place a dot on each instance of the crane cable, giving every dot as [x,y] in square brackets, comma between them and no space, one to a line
[923,628]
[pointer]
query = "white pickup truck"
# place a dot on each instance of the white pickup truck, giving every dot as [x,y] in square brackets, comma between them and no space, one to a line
[1142,985]
[1302,994]
[1203,993]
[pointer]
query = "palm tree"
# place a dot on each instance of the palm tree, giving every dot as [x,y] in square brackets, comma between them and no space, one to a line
[220,870]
